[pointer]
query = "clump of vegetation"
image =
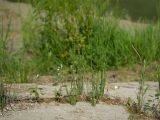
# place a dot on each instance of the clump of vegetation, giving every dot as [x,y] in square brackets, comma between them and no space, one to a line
[142,89]
[83,30]
[72,94]
[155,105]
[155,108]
[13,68]
[3,96]
[97,90]
[58,95]
[35,93]
[150,107]
[77,86]
[61,32]
[138,107]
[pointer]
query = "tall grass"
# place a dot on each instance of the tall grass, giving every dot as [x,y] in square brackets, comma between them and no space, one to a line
[12,67]
[147,43]
[67,31]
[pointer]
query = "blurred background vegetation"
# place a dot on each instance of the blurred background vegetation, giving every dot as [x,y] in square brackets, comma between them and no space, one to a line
[81,33]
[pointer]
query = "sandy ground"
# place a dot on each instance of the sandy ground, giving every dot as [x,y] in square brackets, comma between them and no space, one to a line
[120,90]
[82,111]
[131,89]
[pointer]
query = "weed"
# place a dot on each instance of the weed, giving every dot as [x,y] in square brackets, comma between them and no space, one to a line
[142,88]
[102,84]
[58,95]
[80,85]
[98,86]
[35,93]
[156,107]
[72,94]
[3,97]
[140,105]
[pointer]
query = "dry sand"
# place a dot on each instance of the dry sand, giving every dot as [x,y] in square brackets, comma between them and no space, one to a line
[82,111]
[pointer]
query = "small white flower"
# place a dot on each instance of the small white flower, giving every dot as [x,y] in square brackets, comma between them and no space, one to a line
[115,87]
[37,76]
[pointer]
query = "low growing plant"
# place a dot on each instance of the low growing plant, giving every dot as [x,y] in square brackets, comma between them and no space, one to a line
[35,93]
[58,95]
[72,94]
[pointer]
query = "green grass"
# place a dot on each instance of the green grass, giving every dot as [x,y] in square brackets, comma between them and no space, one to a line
[12,67]
[104,45]
[76,34]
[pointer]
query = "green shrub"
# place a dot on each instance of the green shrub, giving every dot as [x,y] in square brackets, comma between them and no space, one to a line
[72,94]
[79,33]
[65,28]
